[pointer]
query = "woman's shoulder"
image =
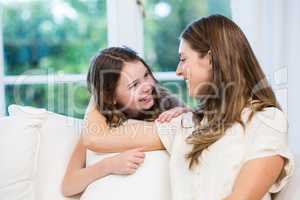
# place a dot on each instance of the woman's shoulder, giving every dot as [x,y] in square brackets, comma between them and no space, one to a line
[185,120]
[271,117]
[91,107]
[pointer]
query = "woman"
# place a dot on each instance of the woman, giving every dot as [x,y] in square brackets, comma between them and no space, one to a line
[234,146]
[122,87]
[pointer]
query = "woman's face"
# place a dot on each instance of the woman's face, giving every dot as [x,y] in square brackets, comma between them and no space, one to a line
[195,70]
[135,87]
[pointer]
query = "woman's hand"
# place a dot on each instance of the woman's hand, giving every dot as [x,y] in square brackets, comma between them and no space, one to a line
[126,163]
[168,115]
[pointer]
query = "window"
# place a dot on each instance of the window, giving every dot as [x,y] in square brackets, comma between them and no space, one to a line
[50,37]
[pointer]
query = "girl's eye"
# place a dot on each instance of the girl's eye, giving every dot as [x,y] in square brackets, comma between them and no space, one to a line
[134,85]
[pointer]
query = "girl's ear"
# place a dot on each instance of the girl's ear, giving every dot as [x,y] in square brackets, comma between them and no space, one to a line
[114,99]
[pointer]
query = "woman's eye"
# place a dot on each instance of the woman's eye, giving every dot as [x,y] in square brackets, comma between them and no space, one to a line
[147,74]
[181,59]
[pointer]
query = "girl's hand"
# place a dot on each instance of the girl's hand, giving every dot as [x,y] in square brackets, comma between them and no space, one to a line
[168,115]
[126,163]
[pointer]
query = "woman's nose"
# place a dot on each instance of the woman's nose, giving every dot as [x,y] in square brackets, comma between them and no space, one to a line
[179,71]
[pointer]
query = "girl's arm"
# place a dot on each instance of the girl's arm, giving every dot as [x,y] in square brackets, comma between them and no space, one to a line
[99,137]
[78,176]
[256,178]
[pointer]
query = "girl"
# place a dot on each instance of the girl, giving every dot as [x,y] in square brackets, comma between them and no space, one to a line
[122,87]
[234,146]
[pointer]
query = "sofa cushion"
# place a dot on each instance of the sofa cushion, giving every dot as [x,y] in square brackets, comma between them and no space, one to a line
[59,135]
[19,144]
[150,181]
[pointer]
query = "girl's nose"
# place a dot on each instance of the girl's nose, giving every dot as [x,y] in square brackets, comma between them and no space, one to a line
[147,86]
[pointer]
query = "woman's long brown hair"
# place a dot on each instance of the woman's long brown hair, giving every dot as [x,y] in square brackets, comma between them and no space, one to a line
[238,81]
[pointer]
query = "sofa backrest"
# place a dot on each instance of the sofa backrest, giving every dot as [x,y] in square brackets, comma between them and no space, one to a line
[58,137]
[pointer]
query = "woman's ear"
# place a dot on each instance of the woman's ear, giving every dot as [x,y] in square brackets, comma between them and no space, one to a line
[209,56]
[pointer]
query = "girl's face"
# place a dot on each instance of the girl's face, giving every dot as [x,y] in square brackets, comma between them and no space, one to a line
[195,70]
[135,87]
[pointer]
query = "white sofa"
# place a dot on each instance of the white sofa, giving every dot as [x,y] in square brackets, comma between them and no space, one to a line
[35,147]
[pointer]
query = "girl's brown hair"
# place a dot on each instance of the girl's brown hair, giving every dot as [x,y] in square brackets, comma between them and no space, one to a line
[102,79]
[237,80]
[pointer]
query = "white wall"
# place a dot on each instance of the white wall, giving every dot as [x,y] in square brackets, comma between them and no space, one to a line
[292,45]
[273,28]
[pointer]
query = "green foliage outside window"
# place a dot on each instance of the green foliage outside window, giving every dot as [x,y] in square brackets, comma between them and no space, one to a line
[164,22]
[57,36]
